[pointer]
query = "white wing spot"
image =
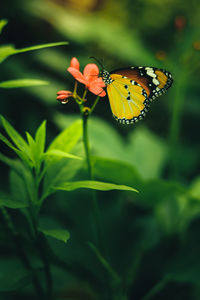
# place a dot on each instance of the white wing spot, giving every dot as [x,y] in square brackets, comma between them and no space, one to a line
[151,73]
[155,81]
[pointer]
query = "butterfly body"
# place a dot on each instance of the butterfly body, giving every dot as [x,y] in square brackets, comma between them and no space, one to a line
[131,90]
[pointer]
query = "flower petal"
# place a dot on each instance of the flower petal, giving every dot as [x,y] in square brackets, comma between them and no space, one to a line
[97,89]
[61,97]
[90,72]
[100,82]
[75,63]
[102,94]
[77,75]
[64,92]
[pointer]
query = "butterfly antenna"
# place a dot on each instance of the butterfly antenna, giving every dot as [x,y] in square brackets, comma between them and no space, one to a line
[98,61]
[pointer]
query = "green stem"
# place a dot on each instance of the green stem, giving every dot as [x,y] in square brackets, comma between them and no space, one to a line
[115,277]
[41,244]
[116,284]
[21,252]
[75,88]
[156,289]
[86,145]
[95,207]
[175,126]
[133,269]
[34,207]
[33,218]
[176,111]
[94,104]
[84,94]
[76,97]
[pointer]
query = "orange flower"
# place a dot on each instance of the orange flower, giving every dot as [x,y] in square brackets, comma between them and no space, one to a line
[89,77]
[63,96]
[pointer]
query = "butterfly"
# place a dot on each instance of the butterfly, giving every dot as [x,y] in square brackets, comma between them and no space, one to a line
[131,90]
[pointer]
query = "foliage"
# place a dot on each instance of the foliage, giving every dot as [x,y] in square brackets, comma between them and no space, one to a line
[8,50]
[55,243]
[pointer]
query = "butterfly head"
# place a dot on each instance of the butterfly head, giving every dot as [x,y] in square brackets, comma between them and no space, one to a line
[103,73]
[106,77]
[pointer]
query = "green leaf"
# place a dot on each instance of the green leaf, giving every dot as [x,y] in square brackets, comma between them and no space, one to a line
[7,202]
[116,171]
[32,148]
[169,200]
[59,234]
[7,142]
[14,135]
[40,138]
[17,139]
[105,140]
[30,140]
[42,46]
[9,50]
[58,172]
[68,138]
[23,184]
[18,83]
[148,163]
[58,167]
[59,153]
[156,191]
[95,185]
[6,51]
[21,154]
[36,147]
[15,165]
[18,187]
[3,23]
[195,188]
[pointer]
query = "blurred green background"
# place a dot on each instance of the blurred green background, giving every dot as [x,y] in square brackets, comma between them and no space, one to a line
[152,239]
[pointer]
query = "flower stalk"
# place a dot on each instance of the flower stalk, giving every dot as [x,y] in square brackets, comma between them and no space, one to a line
[95,206]
[93,83]
[90,78]
[85,116]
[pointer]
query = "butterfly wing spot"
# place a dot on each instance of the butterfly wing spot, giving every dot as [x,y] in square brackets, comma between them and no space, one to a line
[150,72]
[155,81]
[134,82]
